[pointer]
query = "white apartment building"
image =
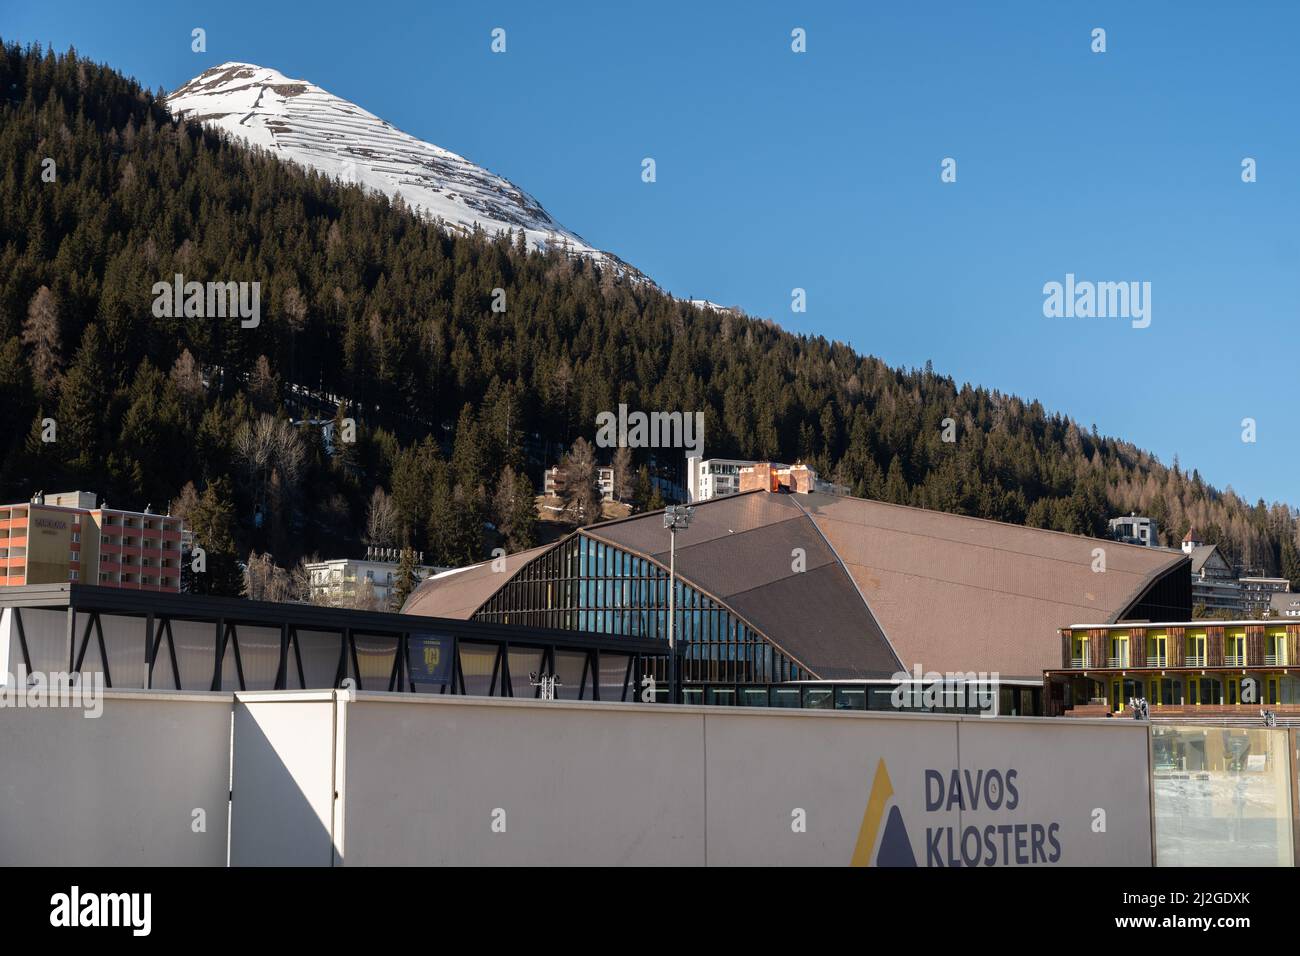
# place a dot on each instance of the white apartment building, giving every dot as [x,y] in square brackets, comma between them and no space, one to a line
[346,581]
[551,483]
[714,477]
[1135,529]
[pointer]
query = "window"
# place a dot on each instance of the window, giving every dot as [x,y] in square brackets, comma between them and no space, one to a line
[818,698]
[1157,651]
[1275,649]
[1211,690]
[76,537]
[850,698]
[1119,650]
[72,574]
[587,585]
[1196,650]
[1079,650]
[1234,650]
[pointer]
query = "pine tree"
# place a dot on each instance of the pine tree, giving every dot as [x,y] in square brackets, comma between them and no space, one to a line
[83,401]
[895,489]
[579,479]
[406,580]
[622,473]
[643,491]
[1291,563]
[212,521]
[516,511]
[41,334]
[343,446]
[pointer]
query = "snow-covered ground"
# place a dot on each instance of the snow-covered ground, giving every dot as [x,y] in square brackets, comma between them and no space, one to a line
[301,122]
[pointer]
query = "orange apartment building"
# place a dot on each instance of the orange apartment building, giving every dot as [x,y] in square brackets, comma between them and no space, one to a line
[65,537]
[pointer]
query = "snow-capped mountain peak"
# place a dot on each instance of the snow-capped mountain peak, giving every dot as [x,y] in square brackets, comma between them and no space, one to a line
[301,122]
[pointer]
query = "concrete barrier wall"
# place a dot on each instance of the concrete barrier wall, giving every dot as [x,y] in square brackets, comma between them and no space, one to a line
[430,781]
[521,782]
[326,778]
[121,789]
[282,804]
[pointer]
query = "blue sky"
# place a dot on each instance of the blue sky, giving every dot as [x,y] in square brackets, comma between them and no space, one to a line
[820,171]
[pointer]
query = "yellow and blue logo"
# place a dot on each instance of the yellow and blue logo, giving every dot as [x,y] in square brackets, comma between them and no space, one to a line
[893,847]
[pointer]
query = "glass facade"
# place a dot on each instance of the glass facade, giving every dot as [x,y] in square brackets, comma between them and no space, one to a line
[588,585]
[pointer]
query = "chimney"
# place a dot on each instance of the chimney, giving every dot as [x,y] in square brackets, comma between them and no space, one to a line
[802,479]
[760,476]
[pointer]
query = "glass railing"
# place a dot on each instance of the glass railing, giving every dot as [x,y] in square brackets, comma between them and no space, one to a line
[1221,798]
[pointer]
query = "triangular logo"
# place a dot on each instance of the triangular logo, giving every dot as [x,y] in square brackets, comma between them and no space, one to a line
[895,848]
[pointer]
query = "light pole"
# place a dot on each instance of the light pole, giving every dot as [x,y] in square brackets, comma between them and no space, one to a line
[676,518]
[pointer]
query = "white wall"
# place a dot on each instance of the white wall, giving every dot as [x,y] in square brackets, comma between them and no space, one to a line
[425,780]
[120,789]
[605,785]
[283,779]
[600,784]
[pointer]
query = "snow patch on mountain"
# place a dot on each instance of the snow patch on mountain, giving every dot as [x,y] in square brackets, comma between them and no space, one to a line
[301,122]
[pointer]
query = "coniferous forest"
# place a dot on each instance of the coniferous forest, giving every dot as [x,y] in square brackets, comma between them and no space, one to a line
[371,313]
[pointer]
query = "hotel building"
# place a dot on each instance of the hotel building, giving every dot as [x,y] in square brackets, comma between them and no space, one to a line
[1214,669]
[65,537]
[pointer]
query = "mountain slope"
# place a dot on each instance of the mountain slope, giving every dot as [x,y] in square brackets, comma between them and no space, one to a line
[366,304]
[299,121]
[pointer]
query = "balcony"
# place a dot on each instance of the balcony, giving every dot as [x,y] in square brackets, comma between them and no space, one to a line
[1157,660]
[1234,660]
[1194,660]
[1078,662]
[1275,660]
[1118,662]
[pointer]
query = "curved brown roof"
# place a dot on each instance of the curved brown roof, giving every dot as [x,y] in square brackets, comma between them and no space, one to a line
[959,593]
[761,555]
[850,587]
[458,594]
